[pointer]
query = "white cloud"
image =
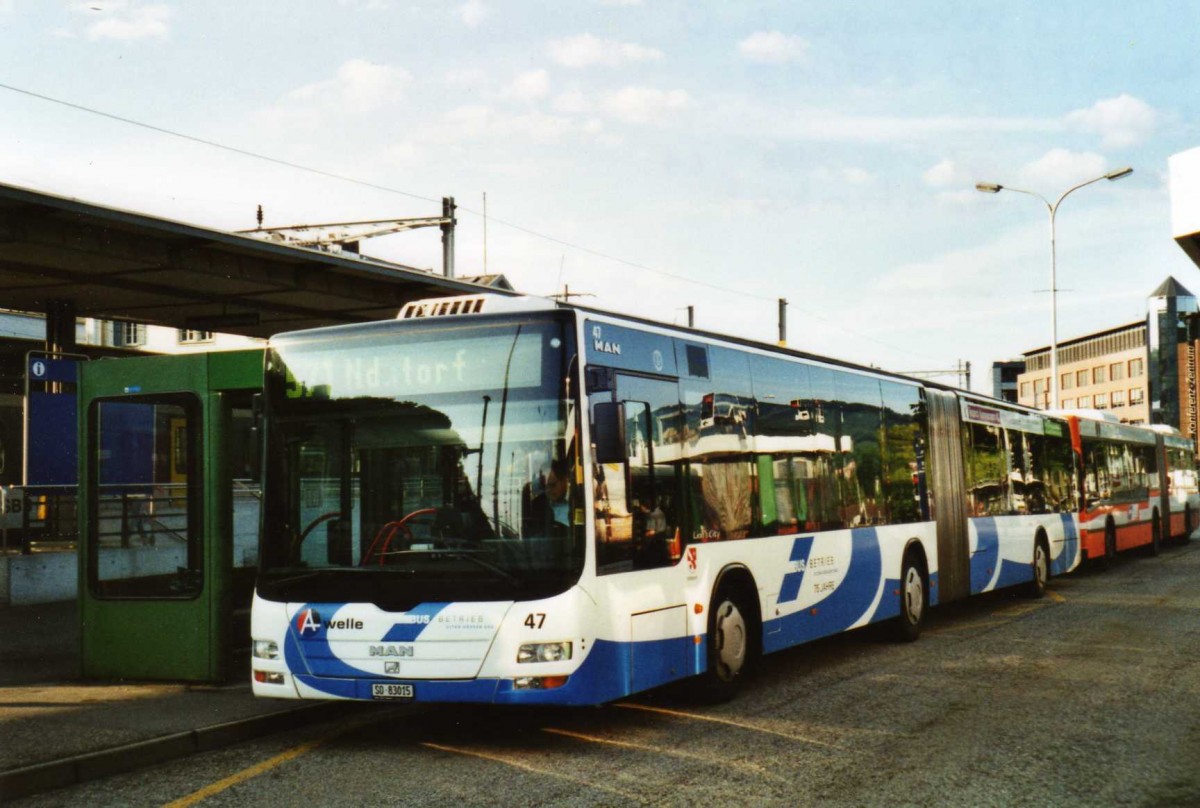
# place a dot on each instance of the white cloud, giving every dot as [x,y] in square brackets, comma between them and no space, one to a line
[405,153]
[478,122]
[1059,169]
[369,5]
[857,176]
[1120,122]
[123,21]
[572,102]
[473,12]
[737,114]
[772,47]
[529,86]
[586,50]
[620,2]
[641,105]
[466,76]
[358,87]
[839,177]
[945,175]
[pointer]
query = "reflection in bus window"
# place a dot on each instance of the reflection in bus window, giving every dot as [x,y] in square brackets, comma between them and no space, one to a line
[639,503]
[987,486]
[722,487]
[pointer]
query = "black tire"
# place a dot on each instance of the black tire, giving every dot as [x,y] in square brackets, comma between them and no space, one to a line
[1036,588]
[1187,525]
[1110,545]
[914,600]
[731,630]
[1155,546]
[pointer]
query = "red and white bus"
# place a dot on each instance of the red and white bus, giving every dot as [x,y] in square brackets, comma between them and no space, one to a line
[1139,485]
[1181,499]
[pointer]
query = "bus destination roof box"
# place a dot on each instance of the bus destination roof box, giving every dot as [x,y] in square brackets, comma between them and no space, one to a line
[472,304]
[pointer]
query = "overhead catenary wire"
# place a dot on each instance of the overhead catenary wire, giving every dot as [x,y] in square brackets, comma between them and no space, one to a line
[390,190]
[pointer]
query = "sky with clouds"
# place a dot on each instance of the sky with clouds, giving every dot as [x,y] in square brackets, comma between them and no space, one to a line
[655,153]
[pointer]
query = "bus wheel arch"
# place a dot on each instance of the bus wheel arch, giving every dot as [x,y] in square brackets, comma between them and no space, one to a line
[1036,587]
[734,634]
[913,593]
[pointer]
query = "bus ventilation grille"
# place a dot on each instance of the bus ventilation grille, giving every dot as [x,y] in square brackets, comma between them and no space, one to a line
[446,307]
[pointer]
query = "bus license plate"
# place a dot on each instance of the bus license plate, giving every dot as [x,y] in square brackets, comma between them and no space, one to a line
[388,691]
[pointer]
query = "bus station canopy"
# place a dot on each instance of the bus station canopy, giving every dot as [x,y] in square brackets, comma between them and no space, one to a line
[116,265]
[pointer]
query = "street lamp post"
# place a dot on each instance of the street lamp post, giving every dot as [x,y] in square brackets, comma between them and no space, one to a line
[995,188]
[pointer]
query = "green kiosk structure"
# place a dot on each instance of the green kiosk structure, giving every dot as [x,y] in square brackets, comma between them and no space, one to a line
[169,495]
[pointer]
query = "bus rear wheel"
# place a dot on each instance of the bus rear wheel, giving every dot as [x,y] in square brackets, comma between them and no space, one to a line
[1155,546]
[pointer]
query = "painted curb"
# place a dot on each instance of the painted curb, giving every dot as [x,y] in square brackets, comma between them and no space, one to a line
[40,777]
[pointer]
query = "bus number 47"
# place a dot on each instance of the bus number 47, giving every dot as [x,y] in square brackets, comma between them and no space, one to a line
[535,620]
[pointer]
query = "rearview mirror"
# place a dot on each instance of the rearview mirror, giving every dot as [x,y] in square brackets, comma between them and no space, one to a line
[608,432]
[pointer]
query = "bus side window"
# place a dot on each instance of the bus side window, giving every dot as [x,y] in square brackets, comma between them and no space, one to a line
[987,471]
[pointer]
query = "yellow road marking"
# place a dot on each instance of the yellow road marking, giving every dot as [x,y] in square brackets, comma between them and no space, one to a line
[727,722]
[1018,611]
[246,774]
[757,770]
[967,626]
[532,769]
[267,765]
[1009,612]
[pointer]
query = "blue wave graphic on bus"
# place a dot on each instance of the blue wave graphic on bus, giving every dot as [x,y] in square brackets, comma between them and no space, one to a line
[1067,559]
[307,649]
[789,590]
[310,652]
[593,683]
[413,622]
[986,555]
[843,607]
[1013,573]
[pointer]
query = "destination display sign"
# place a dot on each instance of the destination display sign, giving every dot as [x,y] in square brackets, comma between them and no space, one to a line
[393,369]
[995,416]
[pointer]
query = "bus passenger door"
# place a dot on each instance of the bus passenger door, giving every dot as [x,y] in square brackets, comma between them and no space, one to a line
[146,590]
[945,477]
[639,502]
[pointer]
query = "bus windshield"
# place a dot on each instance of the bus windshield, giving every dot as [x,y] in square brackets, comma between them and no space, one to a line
[422,461]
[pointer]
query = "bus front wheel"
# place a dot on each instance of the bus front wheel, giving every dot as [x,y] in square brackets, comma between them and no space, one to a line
[1110,545]
[914,601]
[1036,588]
[730,623]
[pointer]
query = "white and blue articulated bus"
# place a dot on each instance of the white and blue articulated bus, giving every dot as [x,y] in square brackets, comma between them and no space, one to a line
[508,500]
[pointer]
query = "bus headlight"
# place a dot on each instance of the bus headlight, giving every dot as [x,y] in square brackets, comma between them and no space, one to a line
[266,649]
[544,652]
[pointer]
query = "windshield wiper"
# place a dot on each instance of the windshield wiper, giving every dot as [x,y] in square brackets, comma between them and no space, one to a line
[465,555]
[304,576]
[470,555]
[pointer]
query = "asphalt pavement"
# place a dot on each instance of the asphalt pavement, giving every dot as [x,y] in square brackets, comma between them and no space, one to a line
[57,729]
